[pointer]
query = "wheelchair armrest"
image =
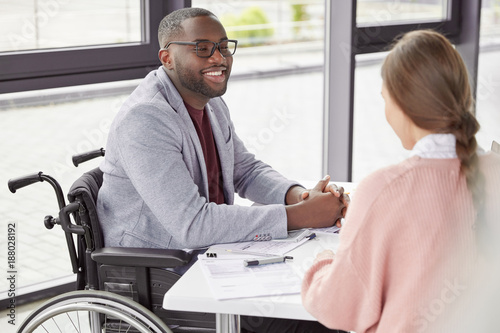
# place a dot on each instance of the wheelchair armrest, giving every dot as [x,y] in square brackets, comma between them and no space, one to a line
[141,257]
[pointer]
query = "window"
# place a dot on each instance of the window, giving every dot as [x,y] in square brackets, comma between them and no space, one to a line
[488,80]
[58,43]
[371,12]
[37,25]
[43,136]
[375,144]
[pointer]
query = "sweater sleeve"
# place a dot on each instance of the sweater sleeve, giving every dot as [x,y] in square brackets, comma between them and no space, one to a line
[333,293]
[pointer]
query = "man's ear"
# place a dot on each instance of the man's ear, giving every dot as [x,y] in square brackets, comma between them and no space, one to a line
[166,58]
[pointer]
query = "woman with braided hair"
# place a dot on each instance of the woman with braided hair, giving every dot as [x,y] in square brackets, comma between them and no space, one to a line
[414,232]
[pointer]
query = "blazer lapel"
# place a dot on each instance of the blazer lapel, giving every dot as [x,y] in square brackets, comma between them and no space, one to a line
[175,100]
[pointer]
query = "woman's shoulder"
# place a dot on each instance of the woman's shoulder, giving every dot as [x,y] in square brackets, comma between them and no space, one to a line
[397,179]
[387,175]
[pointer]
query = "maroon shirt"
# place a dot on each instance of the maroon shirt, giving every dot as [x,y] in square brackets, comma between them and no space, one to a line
[204,129]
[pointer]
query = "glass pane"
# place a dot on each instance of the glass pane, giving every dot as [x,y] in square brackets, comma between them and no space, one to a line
[382,12]
[41,133]
[488,98]
[275,93]
[375,144]
[46,24]
[488,80]
[490,24]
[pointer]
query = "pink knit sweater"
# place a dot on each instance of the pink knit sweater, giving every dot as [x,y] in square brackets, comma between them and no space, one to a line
[406,250]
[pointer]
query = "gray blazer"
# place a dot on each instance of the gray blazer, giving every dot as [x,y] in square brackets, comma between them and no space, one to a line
[155,185]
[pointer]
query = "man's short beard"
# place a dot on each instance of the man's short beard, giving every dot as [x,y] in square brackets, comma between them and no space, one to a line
[189,81]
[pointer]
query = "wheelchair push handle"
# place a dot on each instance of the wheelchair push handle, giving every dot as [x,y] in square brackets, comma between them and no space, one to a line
[84,157]
[20,182]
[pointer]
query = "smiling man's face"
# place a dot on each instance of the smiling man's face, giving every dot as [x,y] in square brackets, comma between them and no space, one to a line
[199,79]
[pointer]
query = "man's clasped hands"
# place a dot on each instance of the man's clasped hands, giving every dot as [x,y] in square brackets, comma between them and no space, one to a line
[322,206]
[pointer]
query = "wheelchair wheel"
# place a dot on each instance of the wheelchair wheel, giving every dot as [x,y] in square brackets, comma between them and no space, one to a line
[92,311]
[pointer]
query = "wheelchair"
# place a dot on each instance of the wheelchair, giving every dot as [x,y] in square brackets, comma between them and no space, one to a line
[117,289]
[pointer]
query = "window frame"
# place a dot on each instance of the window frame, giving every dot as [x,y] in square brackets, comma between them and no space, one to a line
[52,68]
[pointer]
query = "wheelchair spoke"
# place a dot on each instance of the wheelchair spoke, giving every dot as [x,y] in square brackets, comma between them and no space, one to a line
[55,322]
[78,318]
[72,322]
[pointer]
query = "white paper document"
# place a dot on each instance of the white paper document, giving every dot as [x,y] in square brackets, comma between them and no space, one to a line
[229,278]
[263,248]
[329,230]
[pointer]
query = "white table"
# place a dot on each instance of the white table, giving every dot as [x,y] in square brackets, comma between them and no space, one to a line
[192,292]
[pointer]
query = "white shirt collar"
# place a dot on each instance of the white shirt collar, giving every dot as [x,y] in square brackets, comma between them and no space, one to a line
[435,146]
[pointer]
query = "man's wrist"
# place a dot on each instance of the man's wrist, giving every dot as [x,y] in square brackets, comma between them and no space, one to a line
[295,216]
[294,195]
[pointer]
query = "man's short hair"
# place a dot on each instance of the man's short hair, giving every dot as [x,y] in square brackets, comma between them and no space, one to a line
[170,27]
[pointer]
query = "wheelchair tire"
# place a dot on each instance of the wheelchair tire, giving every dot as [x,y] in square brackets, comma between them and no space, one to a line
[92,311]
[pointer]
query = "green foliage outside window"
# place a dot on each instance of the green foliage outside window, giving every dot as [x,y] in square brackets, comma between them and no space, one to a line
[299,14]
[250,28]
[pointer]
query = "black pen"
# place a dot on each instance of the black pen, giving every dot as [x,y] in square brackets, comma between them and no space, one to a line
[266,261]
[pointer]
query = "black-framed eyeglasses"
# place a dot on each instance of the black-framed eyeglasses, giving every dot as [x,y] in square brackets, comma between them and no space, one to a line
[205,49]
